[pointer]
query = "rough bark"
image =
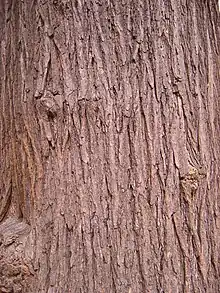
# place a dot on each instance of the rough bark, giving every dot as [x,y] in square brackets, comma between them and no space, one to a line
[110,146]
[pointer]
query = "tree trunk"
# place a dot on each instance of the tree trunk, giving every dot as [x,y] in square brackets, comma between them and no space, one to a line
[110,146]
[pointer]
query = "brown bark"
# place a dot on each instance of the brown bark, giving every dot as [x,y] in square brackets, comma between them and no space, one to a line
[109,146]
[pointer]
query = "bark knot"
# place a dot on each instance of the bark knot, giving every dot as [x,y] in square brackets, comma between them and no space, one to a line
[190,182]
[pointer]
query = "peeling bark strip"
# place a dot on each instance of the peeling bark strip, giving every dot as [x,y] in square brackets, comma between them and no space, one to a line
[110,146]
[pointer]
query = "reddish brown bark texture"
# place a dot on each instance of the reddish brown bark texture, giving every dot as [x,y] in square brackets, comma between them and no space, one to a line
[110,146]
